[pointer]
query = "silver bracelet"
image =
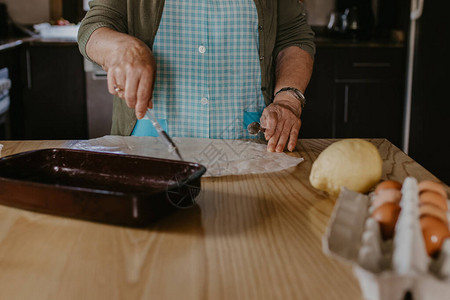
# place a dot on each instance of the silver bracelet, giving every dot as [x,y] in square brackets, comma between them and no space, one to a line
[294,92]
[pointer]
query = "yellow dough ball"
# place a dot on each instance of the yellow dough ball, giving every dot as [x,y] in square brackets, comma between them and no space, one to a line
[353,163]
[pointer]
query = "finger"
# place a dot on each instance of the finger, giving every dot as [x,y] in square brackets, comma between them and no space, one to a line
[131,86]
[271,121]
[273,141]
[111,83]
[293,136]
[284,135]
[117,81]
[144,94]
[263,118]
[262,122]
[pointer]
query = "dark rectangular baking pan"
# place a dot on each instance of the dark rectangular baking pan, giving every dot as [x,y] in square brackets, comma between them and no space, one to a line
[111,188]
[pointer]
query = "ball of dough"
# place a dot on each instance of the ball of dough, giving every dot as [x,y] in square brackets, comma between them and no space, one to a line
[353,163]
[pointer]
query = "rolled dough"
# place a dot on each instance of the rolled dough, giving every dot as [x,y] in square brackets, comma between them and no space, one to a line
[353,163]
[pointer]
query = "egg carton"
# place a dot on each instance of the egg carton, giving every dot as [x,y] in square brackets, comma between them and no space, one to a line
[388,269]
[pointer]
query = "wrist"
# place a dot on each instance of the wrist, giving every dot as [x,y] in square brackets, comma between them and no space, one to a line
[288,102]
[286,97]
[293,93]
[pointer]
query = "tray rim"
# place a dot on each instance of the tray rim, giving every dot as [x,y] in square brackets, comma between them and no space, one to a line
[196,174]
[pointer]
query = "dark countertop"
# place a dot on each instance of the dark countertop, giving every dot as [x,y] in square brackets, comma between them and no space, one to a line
[10,43]
[54,41]
[324,41]
[15,42]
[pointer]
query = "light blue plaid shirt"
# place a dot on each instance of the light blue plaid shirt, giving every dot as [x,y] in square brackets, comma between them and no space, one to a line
[208,82]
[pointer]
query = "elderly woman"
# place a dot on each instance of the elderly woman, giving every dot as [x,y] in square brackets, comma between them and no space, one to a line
[207,68]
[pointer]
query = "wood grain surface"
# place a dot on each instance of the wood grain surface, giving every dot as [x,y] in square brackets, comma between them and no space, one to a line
[250,237]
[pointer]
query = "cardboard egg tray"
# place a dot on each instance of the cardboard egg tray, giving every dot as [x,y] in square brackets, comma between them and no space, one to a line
[388,269]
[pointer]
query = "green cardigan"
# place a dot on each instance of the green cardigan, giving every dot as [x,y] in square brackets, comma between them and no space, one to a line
[282,23]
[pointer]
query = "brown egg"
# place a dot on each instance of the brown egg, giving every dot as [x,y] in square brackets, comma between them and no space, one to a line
[386,215]
[433,211]
[385,196]
[433,198]
[428,185]
[388,184]
[434,233]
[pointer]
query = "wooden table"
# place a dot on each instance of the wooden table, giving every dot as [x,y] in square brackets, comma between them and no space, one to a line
[251,237]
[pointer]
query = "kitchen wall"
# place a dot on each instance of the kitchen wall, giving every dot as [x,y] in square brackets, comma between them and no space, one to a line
[28,11]
[37,11]
[318,11]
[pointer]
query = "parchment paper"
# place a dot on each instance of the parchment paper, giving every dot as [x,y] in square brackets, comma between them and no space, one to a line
[220,157]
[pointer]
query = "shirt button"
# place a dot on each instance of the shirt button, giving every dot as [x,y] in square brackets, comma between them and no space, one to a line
[261,57]
[202,49]
[204,101]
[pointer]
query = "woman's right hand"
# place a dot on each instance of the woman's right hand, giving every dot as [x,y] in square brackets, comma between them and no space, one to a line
[130,65]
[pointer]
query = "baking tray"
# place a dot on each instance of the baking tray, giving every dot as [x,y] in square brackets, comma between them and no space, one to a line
[103,187]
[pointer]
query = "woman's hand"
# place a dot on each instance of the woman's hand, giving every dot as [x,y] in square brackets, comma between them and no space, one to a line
[281,121]
[130,65]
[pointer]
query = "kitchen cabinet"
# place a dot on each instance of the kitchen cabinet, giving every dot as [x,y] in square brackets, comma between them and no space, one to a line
[10,58]
[356,91]
[53,98]
[317,115]
[363,110]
